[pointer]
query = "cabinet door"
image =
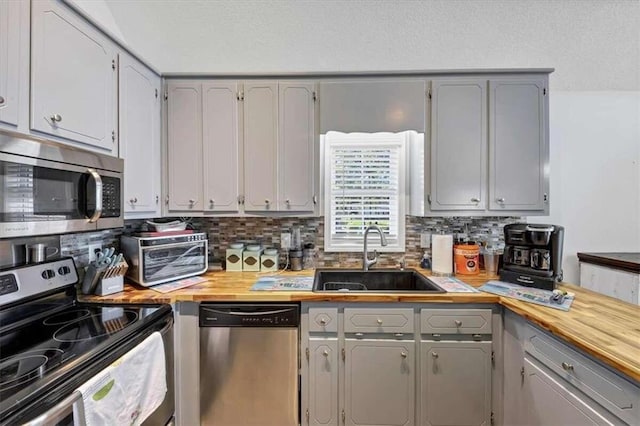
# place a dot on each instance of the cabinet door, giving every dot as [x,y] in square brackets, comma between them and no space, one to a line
[297,146]
[379,382]
[140,137]
[517,144]
[73,80]
[260,145]
[458,144]
[323,382]
[552,402]
[10,45]
[184,158]
[221,146]
[456,383]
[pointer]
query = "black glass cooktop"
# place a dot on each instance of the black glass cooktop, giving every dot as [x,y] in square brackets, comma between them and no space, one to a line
[53,345]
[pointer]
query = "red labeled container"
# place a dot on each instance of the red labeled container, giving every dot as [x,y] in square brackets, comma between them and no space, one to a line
[466,259]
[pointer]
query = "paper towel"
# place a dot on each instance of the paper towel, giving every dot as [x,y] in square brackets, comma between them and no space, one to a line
[442,252]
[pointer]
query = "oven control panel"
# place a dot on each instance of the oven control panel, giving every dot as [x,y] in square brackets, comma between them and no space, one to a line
[8,284]
[32,279]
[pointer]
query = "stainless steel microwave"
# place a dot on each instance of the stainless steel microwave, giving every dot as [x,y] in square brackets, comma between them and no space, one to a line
[50,188]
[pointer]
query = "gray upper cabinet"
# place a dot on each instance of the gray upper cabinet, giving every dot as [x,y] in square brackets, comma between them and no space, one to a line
[517,144]
[184,150]
[458,144]
[12,45]
[139,106]
[221,146]
[260,145]
[73,78]
[379,382]
[297,173]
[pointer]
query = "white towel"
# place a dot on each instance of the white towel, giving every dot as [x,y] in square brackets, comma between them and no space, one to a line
[130,389]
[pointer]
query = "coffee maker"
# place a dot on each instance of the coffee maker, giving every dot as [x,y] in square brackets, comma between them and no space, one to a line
[532,255]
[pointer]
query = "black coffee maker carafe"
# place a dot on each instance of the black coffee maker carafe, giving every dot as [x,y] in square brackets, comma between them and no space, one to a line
[532,255]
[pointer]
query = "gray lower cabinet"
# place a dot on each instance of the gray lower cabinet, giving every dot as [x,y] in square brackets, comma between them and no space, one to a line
[550,402]
[73,78]
[379,382]
[364,364]
[547,382]
[323,375]
[456,383]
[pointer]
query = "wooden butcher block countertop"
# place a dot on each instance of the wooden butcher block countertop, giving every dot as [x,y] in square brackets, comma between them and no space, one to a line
[604,327]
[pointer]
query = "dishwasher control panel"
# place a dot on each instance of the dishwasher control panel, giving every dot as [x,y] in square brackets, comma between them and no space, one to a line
[249,315]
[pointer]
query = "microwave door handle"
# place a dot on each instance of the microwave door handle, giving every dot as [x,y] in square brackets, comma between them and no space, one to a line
[98,180]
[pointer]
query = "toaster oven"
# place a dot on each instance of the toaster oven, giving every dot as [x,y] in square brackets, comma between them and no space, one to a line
[156,260]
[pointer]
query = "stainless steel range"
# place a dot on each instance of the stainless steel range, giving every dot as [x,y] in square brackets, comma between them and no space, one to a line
[50,344]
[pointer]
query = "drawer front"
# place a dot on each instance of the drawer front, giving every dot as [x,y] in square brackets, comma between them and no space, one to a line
[370,320]
[455,321]
[323,320]
[615,393]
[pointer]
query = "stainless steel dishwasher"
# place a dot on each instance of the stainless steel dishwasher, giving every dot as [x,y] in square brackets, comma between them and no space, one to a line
[249,364]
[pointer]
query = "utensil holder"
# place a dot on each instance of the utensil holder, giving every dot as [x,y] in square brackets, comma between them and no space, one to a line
[110,285]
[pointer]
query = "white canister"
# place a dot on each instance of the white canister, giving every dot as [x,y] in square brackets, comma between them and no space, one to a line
[269,261]
[442,254]
[251,260]
[234,259]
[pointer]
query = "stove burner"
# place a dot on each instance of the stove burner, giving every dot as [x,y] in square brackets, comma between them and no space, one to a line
[66,317]
[94,326]
[22,368]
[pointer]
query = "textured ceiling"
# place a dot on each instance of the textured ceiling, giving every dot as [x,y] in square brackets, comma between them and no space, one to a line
[594,45]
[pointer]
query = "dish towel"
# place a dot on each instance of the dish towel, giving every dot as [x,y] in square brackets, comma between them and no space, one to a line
[130,389]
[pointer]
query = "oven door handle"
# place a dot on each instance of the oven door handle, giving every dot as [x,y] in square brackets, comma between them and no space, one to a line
[167,327]
[98,180]
[59,412]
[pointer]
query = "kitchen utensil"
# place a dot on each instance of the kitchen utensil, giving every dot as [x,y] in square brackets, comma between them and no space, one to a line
[39,252]
[91,278]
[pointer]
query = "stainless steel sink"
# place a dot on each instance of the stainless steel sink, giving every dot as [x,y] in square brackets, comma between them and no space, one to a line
[373,280]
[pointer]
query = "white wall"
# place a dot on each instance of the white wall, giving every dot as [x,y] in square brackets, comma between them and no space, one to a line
[595,173]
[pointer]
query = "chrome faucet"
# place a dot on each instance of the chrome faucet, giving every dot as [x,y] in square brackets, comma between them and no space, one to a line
[366,262]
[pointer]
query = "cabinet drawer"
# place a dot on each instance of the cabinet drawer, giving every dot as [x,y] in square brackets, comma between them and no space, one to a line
[323,320]
[455,321]
[370,320]
[615,393]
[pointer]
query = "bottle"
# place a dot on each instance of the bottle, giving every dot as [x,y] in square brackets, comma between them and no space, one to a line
[425,262]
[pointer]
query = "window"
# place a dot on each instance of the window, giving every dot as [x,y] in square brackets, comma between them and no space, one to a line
[364,184]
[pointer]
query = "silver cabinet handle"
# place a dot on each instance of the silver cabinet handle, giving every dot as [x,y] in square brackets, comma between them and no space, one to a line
[133,200]
[458,323]
[379,321]
[434,354]
[211,201]
[359,334]
[500,200]
[267,202]
[399,334]
[193,202]
[288,202]
[475,200]
[567,366]
[1,100]
[323,321]
[56,118]
[325,353]
[403,354]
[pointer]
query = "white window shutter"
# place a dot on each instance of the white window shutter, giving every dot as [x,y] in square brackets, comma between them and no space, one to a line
[364,185]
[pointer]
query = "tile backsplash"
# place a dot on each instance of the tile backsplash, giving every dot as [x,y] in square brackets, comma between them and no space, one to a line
[267,230]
